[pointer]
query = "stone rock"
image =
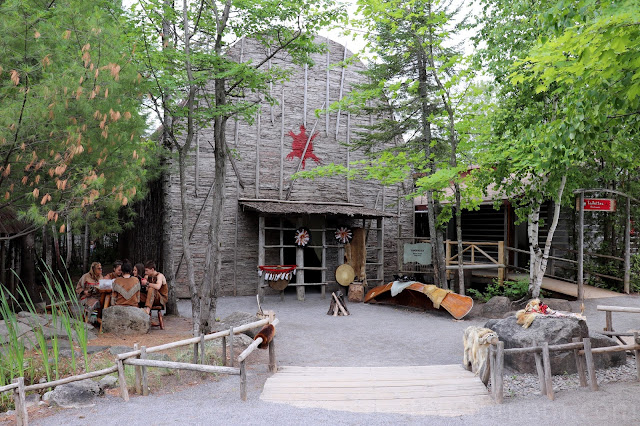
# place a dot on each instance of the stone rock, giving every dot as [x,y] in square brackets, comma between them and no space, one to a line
[76,395]
[108,382]
[125,320]
[237,319]
[607,360]
[155,356]
[32,399]
[496,307]
[558,304]
[31,319]
[20,329]
[95,349]
[553,330]
[47,396]
[476,310]
[117,350]
[242,340]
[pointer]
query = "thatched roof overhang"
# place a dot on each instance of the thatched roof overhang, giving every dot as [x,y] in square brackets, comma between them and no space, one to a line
[10,224]
[293,208]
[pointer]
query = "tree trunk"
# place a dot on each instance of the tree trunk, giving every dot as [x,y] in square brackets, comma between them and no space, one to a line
[85,248]
[69,244]
[167,198]
[56,247]
[28,266]
[186,244]
[461,284]
[3,262]
[540,258]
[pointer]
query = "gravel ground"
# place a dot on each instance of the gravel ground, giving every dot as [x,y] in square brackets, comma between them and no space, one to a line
[372,336]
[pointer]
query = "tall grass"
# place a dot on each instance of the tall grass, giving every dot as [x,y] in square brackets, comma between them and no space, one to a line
[15,358]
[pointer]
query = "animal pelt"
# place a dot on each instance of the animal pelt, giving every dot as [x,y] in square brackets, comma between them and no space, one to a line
[476,350]
[267,333]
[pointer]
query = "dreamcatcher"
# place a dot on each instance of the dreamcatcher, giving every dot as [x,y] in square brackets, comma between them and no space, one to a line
[344,234]
[302,237]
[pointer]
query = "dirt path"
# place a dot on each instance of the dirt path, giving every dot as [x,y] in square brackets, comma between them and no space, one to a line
[371,336]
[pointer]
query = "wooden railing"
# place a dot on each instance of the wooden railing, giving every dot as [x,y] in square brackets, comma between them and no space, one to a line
[138,358]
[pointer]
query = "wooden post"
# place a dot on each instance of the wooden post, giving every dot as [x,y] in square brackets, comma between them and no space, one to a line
[261,257]
[499,372]
[546,365]
[608,322]
[580,367]
[492,371]
[281,181]
[447,260]
[124,393]
[581,248]
[145,377]
[224,351]
[195,353]
[273,363]
[243,380]
[627,248]
[591,368]
[304,102]
[380,238]
[231,353]
[138,371]
[501,275]
[22,416]
[326,101]
[202,351]
[323,273]
[348,159]
[300,263]
[258,144]
[637,354]
[540,370]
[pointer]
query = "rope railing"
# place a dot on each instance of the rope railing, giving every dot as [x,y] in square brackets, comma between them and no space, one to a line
[137,358]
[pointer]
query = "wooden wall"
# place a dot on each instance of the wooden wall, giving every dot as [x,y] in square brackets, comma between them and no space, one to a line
[262,144]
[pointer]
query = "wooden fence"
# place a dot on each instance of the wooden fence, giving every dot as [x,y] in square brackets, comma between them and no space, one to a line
[583,354]
[138,358]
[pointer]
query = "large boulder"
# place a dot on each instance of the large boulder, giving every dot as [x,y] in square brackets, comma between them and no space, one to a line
[496,307]
[79,394]
[554,330]
[124,320]
[237,319]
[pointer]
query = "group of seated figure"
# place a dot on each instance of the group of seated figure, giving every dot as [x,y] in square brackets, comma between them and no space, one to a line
[138,285]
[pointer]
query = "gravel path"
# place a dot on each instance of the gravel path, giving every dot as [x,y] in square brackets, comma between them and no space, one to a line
[372,336]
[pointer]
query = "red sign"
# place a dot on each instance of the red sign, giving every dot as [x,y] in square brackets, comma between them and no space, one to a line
[600,204]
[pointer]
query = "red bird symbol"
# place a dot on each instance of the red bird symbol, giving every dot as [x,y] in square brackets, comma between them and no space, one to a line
[299,142]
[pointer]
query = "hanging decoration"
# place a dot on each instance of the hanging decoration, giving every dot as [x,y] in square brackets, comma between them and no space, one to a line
[344,234]
[277,272]
[302,237]
[298,146]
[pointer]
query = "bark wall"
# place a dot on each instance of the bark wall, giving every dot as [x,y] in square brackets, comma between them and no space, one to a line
[263,149]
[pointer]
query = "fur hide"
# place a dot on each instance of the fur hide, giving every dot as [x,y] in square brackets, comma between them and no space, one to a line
[476,350]
[267,333]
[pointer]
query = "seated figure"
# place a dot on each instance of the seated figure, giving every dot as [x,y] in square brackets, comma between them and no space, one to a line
[126,289]
[157,289]
[87,291]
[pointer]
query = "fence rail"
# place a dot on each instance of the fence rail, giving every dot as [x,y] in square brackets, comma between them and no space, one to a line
[137,358]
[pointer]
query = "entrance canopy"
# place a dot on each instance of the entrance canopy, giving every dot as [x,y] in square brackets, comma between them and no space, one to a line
[279,207]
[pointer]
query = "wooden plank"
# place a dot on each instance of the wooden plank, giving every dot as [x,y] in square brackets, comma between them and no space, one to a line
[591,369]
[546,365]
[618,309]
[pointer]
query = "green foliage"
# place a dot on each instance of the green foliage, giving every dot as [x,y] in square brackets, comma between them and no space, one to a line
[71,121]
[514,290]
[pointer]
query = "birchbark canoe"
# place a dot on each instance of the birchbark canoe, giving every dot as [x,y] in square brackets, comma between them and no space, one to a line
[413,296]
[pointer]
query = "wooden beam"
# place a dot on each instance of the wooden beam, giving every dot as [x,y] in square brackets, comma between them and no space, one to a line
[591,368]
[183,366]
[546,365]
[300,263]
[261,256]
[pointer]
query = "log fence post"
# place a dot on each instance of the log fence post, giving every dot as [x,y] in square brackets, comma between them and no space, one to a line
[580,367]
[224,351]
[124,392]
[492,370]
[637,354]
[243,380]
[22,416]
[145,377]
[231,346]
[138,371]
[591,368]
[546,364]
[499,363]
[202,347]
[540,370]
[273,363]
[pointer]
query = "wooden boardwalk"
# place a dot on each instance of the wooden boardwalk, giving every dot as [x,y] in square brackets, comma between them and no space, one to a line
[437,390]
[558,286]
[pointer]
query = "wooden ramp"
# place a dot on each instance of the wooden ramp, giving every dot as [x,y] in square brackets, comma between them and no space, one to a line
[558,286]
[437,390]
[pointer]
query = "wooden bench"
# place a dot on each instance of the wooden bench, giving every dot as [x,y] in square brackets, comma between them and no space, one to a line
[608,329]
